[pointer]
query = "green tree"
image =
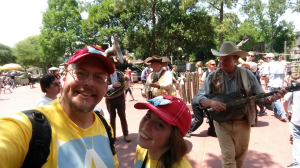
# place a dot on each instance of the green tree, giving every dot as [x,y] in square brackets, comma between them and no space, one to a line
[284,32]
[6,55]
[102,23]
[217,6]
[29,53]
[294,5]
[188,28]
[265,17]
[61,29]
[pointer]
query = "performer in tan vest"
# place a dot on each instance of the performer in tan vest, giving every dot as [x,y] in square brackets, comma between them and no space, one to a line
[159,82]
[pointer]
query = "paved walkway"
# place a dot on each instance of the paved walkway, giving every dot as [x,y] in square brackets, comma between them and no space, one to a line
[269,144]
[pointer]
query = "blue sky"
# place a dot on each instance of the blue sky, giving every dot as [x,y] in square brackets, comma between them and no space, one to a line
[23,18]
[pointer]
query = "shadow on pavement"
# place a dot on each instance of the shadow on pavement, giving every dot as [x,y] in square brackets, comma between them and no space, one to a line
[126,150]
[253,159]
[261,124]
[256,159]
[189,144]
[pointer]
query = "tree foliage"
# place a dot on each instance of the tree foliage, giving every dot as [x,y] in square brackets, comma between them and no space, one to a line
[6,55]
[172,27]
[61,30]
[284,32]
[265,17]
[28,52]
[102,23]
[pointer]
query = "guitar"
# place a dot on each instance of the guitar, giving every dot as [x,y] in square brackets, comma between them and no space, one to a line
[236,103]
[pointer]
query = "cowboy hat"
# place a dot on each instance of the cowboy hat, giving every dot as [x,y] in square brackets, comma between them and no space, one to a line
[229,48]
[154,58]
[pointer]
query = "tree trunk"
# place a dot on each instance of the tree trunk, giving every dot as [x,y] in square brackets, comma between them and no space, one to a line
[221,22]
[71,50]
[153,23]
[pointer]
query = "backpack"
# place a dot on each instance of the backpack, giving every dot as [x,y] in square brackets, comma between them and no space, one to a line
[39,146]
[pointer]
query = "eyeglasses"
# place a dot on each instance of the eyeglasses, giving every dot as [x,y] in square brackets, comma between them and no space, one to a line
[56,84]
[80,74]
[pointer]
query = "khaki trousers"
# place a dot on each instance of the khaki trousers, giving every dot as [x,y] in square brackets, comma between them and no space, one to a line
[234,139]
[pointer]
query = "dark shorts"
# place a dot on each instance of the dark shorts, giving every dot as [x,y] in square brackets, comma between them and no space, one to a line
[128,90]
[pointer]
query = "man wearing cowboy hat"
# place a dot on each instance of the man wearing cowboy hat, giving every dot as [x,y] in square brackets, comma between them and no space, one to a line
[159,82]
[233,133]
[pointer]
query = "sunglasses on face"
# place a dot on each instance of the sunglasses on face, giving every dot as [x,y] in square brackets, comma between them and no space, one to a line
[56,84]
[251,55]
[212,64]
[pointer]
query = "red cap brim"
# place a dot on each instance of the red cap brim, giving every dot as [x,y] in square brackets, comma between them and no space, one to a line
[159,111]
[84,53]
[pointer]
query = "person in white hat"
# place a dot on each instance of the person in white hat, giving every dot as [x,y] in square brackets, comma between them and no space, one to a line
[233,132]
[274,79]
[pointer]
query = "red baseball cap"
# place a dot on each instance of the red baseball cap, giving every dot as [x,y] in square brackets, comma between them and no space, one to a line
[171,109]
[95,52]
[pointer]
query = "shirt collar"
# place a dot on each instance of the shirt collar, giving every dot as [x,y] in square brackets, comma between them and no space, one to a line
[158,73]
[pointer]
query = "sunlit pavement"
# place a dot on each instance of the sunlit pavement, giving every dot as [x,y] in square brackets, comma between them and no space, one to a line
[269,145]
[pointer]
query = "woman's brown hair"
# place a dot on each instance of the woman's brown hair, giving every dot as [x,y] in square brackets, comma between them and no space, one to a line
[178,148]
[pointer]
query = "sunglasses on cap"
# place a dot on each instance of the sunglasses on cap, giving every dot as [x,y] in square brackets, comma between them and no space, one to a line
[56,83]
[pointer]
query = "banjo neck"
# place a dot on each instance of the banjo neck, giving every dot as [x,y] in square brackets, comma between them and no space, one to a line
[246,100]
[294,87]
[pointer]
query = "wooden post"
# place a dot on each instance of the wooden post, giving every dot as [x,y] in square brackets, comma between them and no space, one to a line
[188,87]
[183,92]
[195,83]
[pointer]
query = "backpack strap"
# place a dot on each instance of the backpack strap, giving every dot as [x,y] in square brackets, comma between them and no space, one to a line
[108,130]
[39,146]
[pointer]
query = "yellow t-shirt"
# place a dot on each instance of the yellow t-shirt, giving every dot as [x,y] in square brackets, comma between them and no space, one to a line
[71,146]
[140,156]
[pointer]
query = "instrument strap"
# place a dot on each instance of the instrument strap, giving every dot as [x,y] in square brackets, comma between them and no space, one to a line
[245,79]
[155,79]
[145,160]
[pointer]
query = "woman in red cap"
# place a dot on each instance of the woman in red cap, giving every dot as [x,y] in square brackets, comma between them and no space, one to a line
[161,131]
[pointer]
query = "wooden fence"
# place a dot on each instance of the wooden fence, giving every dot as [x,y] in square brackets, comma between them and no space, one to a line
[190,86]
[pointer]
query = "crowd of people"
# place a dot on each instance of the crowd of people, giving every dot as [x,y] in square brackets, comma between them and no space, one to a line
[81,138]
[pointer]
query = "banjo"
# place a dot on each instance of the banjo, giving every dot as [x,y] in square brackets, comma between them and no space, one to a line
[236,103]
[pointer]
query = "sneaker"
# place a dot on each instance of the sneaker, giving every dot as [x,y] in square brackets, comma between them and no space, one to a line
[283,119]
[188,135]
[293,165]
[211,133]
[127,138]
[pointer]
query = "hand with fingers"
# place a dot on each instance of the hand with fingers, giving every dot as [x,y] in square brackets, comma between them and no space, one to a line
[217,106]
